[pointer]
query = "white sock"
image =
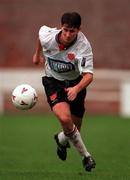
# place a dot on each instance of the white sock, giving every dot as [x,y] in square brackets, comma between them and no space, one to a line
[63,139]
[77,141]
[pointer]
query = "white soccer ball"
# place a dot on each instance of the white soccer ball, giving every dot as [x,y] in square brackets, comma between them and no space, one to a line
[24,97]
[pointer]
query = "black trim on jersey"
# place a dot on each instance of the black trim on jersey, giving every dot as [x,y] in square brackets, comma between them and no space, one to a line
[60,44]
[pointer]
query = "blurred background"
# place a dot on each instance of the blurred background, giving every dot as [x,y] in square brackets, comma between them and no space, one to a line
[106,25]
[27,149]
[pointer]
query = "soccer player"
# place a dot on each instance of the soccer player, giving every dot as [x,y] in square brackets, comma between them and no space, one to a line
[68,72]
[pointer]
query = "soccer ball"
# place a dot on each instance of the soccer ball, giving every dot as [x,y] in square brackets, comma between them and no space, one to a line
[24,97]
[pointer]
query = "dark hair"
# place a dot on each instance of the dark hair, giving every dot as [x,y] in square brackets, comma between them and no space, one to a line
[72,19]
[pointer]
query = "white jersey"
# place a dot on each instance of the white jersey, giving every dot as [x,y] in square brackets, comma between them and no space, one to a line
[69,63]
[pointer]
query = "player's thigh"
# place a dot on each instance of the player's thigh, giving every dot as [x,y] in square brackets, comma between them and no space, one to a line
[77,106]
[62,111]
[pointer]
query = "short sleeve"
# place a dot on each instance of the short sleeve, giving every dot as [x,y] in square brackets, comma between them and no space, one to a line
[45,34]
[86,60]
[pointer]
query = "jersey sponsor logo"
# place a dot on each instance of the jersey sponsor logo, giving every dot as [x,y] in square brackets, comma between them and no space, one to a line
[60,66]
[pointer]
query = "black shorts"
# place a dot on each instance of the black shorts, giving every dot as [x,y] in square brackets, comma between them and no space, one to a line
[55,92]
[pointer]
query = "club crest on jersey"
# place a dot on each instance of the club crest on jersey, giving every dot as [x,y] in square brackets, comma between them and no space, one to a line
[71,56]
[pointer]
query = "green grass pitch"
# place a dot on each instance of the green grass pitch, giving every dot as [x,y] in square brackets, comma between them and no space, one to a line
[28,151]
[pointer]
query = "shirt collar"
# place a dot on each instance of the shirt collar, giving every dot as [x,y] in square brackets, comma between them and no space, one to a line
[63,47]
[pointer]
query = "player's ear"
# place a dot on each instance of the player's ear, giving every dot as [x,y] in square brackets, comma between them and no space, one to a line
[78,29]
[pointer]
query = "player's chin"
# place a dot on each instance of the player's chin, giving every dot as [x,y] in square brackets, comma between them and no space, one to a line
[68,41]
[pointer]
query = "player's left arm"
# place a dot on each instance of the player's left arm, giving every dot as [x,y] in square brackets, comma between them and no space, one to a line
[85,81]
[86,69]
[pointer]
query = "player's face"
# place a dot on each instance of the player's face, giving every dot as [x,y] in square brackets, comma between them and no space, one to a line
[68,34]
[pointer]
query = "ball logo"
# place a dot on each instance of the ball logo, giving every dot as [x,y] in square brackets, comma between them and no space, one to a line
[23,103]
[71,56]
[24,90]
[35,97]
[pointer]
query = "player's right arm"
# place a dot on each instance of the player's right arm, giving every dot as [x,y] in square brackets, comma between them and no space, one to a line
[37,57]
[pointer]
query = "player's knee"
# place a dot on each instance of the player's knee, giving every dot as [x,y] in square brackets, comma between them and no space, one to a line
[65,119]
[66,123]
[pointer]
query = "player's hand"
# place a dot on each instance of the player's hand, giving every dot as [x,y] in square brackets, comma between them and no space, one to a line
[72,92]
[37,59]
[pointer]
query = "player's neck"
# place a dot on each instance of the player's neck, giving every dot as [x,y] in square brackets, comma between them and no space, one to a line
[61,42]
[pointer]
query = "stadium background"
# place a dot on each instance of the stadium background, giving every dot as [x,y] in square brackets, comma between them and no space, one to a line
[106,25]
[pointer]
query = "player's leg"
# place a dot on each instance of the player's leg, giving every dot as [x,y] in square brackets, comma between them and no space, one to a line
[77,110]
[57,99]
[70,131]
[87,160]
[62,111]
[77,121]
[63,139]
